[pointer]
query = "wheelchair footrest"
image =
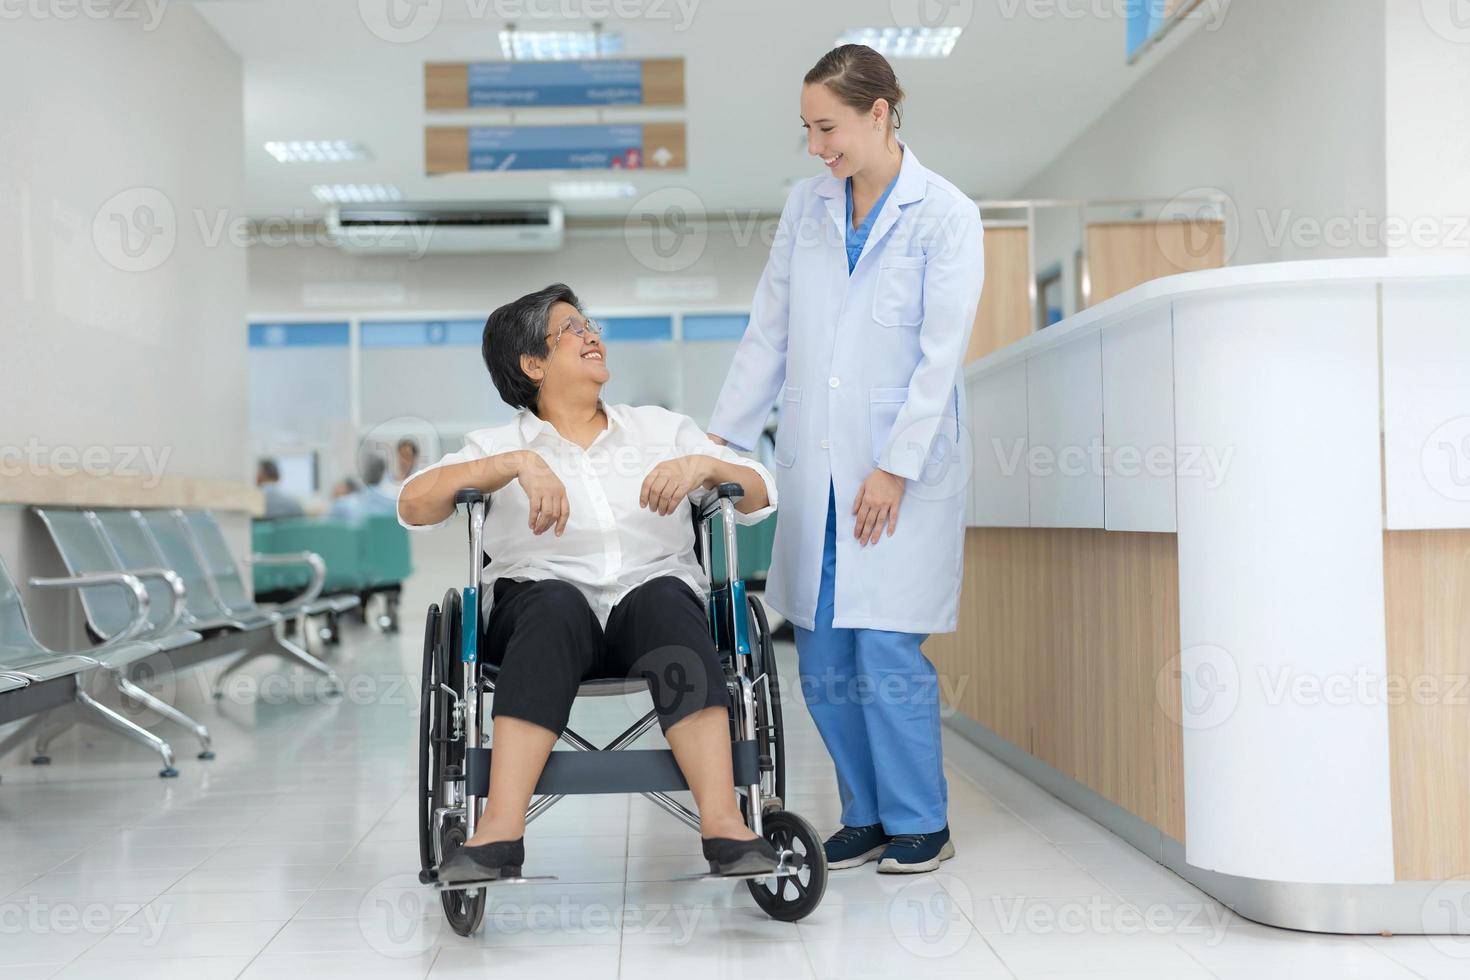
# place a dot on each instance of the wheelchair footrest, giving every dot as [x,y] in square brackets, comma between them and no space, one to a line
[620,771]
[790,865]
[461,886]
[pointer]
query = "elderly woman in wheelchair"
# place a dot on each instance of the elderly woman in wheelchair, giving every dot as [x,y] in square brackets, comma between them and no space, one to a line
[593,571]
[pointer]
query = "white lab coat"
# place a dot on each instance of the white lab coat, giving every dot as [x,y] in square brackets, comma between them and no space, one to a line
[868,370]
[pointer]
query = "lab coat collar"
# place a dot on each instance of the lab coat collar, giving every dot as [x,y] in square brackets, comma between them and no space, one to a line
[912,182]
[910,186]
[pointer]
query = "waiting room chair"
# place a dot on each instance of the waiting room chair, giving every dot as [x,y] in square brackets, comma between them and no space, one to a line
[22,655]
[83,545]
[170,533]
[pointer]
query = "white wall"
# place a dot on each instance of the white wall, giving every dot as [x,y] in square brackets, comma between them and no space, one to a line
[101,350]
[604,268]
[1282,107]
[1428,130]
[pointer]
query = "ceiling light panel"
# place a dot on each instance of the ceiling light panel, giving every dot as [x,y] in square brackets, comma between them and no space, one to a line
[905,42]
[558,45]
[592,190]
[317,151]
[356,193]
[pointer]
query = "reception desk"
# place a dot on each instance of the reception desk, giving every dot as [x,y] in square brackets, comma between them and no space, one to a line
[1217,582]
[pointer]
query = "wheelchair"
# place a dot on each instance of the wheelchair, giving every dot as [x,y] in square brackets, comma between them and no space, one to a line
[454,757]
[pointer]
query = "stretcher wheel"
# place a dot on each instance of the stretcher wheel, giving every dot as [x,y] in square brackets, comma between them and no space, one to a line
[792,897]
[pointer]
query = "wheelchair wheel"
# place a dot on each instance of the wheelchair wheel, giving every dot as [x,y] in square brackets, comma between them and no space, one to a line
[794,896]
[441,755]
[770,737]
[428,759]
[464,909]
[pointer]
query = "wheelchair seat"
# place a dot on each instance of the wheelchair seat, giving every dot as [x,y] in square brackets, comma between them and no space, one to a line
[592,687]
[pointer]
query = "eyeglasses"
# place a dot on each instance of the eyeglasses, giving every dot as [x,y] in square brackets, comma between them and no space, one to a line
[582,328]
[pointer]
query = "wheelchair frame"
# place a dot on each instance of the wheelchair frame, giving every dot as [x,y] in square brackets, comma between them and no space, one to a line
[453,795]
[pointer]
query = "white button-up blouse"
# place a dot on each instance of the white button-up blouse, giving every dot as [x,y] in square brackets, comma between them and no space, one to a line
[610,545]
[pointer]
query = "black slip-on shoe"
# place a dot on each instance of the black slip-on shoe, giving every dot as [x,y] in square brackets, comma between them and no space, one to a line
[738,857]
[484,862]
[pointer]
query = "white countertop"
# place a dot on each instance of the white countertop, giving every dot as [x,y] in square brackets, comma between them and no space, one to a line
[1169,288]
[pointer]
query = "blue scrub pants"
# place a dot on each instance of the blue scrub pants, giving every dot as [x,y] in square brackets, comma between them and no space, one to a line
[875,699]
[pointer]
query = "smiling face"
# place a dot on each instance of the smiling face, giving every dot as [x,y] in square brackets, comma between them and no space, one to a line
[574,359]
[846,140]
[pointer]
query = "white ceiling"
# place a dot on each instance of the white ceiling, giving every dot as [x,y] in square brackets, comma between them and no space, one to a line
[1026,77]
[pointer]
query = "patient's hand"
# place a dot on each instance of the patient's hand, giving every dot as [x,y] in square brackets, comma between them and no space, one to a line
[545,493]
[668,483]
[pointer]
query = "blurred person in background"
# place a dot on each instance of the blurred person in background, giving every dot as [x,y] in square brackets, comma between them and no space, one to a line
[369,497]
[278,503]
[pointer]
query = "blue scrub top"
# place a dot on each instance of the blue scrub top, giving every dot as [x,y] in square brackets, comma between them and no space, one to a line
[858,237]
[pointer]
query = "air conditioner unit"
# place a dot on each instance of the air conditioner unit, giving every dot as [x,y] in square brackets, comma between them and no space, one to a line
[417,229]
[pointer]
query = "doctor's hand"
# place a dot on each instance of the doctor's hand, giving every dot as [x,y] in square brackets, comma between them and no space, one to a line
[545,493]
[876,505]
[668,483]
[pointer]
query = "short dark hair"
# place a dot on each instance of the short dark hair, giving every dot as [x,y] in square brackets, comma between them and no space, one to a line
[408,442]
[373,468]
[268,469]
[519,327]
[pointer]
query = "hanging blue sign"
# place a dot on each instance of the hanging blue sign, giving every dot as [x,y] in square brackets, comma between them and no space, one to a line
[513,84]
[555,147]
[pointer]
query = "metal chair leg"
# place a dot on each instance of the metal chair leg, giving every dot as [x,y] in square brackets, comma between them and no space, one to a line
[43,728]
[57,722]
[104,717]
[304,657]
[251,654]
[173,714]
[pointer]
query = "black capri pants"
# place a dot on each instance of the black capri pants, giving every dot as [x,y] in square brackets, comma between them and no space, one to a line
[546,640]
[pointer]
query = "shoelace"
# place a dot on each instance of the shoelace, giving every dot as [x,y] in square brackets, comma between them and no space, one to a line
[848,834]
[907,840]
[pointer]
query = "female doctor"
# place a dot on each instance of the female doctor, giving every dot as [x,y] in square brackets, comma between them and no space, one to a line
[860,324]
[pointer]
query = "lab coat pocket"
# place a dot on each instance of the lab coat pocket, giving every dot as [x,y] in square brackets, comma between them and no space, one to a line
[884,405]
[899,298]
[789,426]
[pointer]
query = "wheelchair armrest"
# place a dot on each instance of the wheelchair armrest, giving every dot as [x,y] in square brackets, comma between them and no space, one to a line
[709,504]
[470,495]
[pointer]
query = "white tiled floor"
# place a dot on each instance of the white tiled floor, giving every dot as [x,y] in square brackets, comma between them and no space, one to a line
[293,855]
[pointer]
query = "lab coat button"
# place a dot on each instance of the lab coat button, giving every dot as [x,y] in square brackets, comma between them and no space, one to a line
[833,382]
[826,445]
